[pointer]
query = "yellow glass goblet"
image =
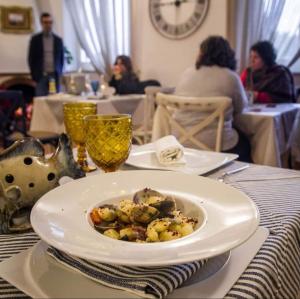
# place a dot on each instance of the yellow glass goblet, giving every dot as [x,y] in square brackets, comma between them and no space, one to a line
[108,139]
[73,119]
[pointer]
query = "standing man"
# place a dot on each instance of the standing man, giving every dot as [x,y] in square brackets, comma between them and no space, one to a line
[46,57]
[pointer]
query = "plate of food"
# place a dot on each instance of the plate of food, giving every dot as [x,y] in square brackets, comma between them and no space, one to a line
[144,218]
[197,161]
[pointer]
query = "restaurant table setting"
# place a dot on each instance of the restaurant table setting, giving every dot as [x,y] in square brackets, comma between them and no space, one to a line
[268,127]
[48,111]
[244,240]
[192,162]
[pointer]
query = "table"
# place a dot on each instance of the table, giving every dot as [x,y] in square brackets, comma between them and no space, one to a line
[48,111]
[268,129]
[275,270]
[294,140]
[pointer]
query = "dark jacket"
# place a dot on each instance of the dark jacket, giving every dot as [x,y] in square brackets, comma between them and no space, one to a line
[36,56]
[273,84]
[130,84]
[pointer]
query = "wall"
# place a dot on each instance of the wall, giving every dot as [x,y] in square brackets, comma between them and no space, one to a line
[159,58]
[56,9]
[13,47]
[62,26]
[153,55]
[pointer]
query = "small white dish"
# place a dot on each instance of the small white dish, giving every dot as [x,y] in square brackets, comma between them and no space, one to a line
[197,162]
[61,217]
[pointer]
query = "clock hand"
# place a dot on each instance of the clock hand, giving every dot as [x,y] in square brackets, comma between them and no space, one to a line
[167,3]
[184,1]
[177,3]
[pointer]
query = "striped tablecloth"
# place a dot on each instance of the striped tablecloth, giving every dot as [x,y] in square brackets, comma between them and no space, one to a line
[275,270]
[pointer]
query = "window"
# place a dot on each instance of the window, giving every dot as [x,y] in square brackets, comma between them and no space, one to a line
[287,40]
[121,28]
[85,62]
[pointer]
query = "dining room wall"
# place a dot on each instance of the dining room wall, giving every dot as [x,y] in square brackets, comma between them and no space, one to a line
[156,57]
[153,55]
[13,47]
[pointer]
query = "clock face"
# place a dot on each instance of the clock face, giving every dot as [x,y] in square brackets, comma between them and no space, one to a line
[177,19]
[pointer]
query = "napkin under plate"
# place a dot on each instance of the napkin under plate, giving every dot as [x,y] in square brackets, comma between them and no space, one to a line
[147,282]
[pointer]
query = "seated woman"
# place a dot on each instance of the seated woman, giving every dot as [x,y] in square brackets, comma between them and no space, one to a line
[213,75]
[269,82]
[124,80]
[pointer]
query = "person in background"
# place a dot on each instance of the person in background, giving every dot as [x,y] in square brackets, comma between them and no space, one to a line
[214,75]
[46,56]
[124,80]
[268,81]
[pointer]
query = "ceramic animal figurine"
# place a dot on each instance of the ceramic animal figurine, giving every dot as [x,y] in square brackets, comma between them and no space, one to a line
[26,174]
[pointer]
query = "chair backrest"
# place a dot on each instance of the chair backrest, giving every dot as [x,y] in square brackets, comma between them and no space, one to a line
[213,107]
[150,92]
[12,101]
[149,109]
[148,83]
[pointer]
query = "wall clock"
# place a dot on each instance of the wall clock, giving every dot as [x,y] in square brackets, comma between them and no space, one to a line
[179,18]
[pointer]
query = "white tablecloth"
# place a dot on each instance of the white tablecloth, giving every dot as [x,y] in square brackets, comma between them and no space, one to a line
[269,130]
[48,111]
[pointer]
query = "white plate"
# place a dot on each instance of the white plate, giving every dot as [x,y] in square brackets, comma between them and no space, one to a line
[197,162]
[40,276]
[61,217]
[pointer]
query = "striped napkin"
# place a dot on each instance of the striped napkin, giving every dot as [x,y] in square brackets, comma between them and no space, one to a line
[146,282]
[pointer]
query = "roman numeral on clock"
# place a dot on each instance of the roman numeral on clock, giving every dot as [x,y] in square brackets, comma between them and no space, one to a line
[162,16]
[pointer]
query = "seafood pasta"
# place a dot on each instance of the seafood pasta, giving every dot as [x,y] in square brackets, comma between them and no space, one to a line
[149,217]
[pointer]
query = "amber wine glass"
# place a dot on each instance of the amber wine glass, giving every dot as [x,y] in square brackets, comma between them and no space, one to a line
[108,139]
[73,119]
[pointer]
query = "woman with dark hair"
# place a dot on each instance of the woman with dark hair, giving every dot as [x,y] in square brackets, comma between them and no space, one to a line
[268,81]
[213,75]
[124,80]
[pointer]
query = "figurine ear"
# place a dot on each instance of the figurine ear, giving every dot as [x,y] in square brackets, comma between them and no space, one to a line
[26,146]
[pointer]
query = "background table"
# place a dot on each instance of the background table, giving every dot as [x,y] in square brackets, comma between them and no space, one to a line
[268,129]
[294,140]
[275,270]
[48,111]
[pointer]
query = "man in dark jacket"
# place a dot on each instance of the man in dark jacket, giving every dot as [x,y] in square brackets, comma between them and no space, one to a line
[46,57]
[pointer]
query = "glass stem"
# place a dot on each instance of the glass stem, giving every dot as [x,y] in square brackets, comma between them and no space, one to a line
[81,155]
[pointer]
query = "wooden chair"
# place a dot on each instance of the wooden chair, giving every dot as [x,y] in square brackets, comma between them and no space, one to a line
[214,107]
[143,133]
[13,120]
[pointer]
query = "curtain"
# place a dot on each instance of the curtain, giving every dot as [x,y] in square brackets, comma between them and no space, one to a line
[287,40]
[251,21]
[102,28]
